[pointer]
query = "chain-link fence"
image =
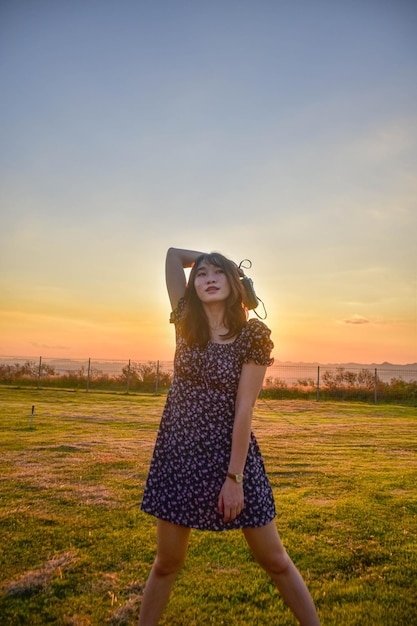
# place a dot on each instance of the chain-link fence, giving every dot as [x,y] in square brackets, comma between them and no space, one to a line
[385,383]
[88,374]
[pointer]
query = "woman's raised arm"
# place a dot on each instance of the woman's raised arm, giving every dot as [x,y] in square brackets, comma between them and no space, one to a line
[176,260]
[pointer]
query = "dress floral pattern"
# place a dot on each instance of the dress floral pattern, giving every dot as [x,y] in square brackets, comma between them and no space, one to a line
[193,444]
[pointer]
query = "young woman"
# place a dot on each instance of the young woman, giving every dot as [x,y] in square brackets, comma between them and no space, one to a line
[207,471]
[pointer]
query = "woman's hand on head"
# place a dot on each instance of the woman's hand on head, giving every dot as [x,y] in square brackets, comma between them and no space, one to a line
[231,500]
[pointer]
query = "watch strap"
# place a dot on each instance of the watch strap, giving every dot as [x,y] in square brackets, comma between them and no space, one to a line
[238,478]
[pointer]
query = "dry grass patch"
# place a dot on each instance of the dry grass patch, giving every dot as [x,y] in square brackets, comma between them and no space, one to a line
[37,580]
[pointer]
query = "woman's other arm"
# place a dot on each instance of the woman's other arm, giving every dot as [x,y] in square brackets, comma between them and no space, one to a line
[231,499]
[176,260]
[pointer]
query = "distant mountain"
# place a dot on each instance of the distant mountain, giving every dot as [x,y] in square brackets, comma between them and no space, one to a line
[352,365]
[112,364]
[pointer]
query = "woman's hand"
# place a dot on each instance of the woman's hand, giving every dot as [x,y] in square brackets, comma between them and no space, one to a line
[231,500]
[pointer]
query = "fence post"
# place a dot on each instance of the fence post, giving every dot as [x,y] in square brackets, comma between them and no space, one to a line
[88,374]
[157,377]
[128,377]
[318,383]
[376,386]
[39,372]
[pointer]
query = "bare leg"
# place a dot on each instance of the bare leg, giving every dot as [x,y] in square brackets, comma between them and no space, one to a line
[171,553]
[269,552]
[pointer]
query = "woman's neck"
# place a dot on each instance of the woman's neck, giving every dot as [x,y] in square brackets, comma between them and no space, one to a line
[216,320]
[215,316]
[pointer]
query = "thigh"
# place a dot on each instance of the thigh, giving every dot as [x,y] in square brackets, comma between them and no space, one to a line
[172,541]
[265,544]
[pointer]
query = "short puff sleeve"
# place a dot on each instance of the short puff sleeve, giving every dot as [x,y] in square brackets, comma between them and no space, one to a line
[260,344]
[176,314]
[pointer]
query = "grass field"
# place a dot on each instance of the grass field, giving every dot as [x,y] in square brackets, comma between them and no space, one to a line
[76,550]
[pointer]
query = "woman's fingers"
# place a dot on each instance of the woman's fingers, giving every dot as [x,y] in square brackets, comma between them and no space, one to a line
[231,501]
[231,512]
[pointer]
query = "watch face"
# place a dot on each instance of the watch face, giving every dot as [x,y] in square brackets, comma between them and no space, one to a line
[236,477]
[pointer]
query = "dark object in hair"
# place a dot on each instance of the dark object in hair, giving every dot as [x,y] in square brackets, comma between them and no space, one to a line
[250,298]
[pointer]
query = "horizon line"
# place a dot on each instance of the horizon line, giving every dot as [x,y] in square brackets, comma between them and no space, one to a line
[153,360]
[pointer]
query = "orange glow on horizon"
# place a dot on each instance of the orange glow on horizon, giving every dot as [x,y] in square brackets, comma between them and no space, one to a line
[152,338]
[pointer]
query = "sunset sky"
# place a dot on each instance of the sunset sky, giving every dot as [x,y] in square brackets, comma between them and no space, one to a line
[283,132]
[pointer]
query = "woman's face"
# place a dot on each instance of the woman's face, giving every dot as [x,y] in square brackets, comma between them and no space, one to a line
[211,283]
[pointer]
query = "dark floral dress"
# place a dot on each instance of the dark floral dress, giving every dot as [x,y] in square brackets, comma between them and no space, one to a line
[192,450]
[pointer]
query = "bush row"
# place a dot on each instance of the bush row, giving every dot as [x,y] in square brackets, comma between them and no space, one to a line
[145,377]
[340,384]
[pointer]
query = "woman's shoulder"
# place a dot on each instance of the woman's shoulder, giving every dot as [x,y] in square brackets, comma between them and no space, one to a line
[258,343]
[255,326]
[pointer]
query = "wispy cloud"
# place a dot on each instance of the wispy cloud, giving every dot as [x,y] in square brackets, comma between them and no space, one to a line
[47,346]
[357,319]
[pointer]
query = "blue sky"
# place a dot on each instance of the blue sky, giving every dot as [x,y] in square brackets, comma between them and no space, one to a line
[280,131]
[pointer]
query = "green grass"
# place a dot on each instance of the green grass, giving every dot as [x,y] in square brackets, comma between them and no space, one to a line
[76,550]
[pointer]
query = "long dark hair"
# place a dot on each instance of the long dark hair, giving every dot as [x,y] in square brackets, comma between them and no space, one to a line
[194,323]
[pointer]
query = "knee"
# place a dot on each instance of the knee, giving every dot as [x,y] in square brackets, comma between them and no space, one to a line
[276,563]
[167,565]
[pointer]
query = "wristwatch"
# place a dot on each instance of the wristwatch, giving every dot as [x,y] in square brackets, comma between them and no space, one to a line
[238,478]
